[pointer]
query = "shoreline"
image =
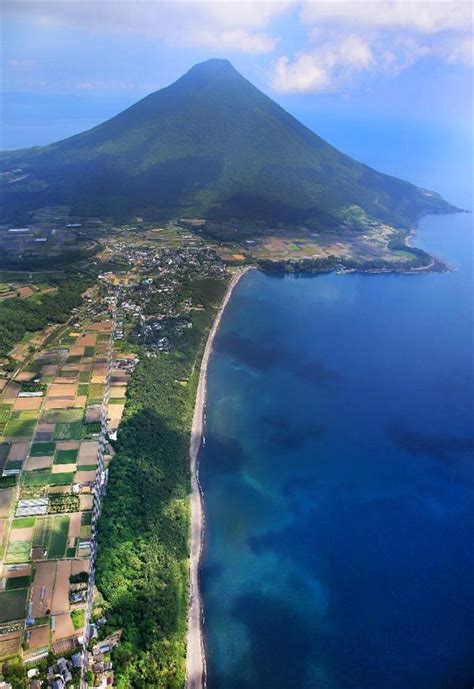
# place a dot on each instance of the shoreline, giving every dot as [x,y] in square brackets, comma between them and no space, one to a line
[195,653]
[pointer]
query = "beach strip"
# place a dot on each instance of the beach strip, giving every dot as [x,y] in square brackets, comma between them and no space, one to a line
[195,655]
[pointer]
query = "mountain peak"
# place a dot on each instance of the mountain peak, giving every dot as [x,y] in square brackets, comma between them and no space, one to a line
[211,145]
[214,68]
[213,65]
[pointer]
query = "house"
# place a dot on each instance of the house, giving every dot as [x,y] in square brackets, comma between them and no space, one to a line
[76,659]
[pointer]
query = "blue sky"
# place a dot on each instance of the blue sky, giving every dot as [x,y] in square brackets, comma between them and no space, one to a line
[68,65]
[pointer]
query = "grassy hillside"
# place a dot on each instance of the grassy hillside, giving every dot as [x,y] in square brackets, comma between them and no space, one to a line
[211,145]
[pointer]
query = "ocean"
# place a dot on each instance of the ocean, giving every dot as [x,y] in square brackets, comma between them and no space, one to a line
[338,477]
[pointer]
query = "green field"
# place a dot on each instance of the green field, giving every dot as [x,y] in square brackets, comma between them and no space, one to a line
[96,390]
[84,376]
[25,415]
[77,617]
[42,532]
[18,551]
[86,518]
[18,583]
[45,477]
[42,449]
[12,605]
[58,538]
[14,464]
[5,410]
[23,522]
[68,431]
[65,457]
[88,351]
[18,428]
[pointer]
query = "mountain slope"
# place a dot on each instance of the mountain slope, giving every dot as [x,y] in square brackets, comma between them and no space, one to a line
[209,145]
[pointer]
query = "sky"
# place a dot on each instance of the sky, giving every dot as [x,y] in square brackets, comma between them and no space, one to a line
[69,64]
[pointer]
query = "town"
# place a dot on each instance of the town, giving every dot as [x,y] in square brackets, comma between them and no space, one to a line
[63,393]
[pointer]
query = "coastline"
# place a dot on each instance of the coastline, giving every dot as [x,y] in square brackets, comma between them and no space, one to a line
[195,654]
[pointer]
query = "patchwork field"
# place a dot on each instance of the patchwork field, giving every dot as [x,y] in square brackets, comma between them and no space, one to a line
[50,417]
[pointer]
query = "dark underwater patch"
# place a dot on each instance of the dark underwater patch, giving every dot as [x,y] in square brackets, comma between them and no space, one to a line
[285,435]
[441,447]
[263,359]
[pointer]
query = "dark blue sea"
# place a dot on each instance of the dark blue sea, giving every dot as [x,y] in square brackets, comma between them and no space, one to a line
[338,474]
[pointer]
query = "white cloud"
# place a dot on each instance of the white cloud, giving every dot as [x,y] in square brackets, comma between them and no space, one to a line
[383,38]
[236,40]
[225,25]
[302,75]
[425,16]
[323,69]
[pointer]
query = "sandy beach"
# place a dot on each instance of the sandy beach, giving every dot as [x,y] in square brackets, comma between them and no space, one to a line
[195,656]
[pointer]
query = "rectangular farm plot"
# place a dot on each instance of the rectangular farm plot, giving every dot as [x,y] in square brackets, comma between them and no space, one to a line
[37,463]
[88,340]
[18,551]
[66,456]
[42,449]
[59,403]
[68,431]
[39,638]
[24,533]
[11,391]
[27,403]
[60,602]
[86,476]
[46,477]
[75,523]
[118,390]
[63,468]
[43,585]
[10,643]
[62,390]
[86,502]
[50,369]
[41,533]
[13,605]
[14,583]
[3,529]
[44,431]
[6,499]
[58,539]
[63,627]
[88,453]
[18,452]
[115,412]
[19,428]
[23,522]
[93,414]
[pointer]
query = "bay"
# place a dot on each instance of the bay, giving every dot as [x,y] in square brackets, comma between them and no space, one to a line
[338,479]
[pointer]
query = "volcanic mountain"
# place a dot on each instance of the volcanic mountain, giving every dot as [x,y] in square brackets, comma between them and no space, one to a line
[211,145]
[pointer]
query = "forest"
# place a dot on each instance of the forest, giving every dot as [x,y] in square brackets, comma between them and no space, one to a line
[19,316]
[142,567]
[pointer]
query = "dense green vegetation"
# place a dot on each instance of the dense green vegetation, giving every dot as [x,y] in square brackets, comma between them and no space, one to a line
[209,145]
[19,316]
[408,258]
[142,568]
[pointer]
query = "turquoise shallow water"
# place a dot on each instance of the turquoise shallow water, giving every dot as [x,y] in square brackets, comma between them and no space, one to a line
[338,479]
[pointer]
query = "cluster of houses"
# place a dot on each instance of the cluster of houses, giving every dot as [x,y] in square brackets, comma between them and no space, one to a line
[158,323]
[62,672]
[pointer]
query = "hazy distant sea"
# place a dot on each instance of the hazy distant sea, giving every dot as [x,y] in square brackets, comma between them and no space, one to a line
[338,474]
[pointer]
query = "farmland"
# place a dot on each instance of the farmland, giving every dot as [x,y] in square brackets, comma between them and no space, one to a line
[48,459]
